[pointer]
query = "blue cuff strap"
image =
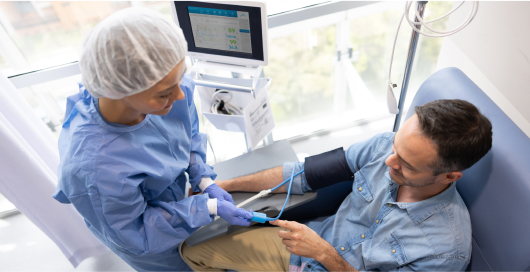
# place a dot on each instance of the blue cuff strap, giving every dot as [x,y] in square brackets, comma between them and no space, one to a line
[326,169]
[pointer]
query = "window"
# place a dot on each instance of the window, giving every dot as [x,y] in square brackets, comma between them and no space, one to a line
[314,90]
[301,65]
[328,71]
[281,6]
[37,35]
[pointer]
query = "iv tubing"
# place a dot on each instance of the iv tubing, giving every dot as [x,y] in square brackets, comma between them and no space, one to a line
[391,100]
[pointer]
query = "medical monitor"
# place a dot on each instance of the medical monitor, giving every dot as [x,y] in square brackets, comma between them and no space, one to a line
[233,32]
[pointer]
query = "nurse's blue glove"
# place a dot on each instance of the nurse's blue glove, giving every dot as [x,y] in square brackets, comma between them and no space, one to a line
[232,214]
[214,191]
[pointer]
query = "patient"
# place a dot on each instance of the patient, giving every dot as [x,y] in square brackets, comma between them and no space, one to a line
[404,212]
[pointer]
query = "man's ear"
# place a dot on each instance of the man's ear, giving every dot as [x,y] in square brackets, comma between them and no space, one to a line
[451,177]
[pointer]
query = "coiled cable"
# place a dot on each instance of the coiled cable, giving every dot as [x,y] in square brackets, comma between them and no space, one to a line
[220,104]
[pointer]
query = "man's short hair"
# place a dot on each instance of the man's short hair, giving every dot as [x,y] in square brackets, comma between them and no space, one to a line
[460,132]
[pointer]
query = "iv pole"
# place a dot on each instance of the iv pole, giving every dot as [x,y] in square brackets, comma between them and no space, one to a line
[408,68]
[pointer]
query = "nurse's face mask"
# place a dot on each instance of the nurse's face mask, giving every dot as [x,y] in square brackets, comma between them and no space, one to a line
[159,99]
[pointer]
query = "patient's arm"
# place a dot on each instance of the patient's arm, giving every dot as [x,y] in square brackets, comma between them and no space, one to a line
[257,182]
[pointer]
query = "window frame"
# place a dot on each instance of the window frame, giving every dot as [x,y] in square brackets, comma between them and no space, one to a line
[276,20]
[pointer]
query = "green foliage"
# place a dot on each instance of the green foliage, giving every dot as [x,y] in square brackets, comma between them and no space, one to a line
[302,74]
[373,37]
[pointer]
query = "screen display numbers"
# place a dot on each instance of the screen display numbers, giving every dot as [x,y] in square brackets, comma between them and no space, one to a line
[227,30]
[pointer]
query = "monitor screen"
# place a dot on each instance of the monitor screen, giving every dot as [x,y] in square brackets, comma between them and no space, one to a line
[224,30]
[221,29]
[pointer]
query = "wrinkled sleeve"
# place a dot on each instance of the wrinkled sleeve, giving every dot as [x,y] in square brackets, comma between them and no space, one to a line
[300,185]
[198,167]
[359,154]
[435,264]
[147,227]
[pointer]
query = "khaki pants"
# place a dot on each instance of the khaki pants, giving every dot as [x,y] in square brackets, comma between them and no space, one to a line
[250,249]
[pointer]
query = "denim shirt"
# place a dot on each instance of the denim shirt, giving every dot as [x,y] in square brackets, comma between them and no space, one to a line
[372,231]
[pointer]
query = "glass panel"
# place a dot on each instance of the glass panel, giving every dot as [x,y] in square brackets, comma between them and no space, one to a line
[301,67]
[41,34]
[314,90]
[372,35]
[48,33]
[280,6]
[49,100]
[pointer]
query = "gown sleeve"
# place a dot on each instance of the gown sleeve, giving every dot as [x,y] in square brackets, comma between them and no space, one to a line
[197,168]
[140,226]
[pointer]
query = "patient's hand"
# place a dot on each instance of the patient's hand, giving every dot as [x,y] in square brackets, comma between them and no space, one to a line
[301,240]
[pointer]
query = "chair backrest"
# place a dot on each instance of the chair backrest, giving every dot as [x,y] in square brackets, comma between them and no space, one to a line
[496,190]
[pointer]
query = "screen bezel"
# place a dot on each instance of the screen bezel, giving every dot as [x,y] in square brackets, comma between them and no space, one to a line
[255,23]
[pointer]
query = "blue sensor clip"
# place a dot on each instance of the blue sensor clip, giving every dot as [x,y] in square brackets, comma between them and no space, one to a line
[259,217]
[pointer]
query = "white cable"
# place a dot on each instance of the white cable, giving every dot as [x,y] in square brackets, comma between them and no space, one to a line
[421,22]
[441,17]
[260,194]
[390,98]
[217,100]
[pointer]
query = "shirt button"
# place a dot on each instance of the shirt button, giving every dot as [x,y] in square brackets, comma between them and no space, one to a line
[342,248]
[360,189]
[377,221]
[390,205]
[308,266]
[362,236]
[393,251]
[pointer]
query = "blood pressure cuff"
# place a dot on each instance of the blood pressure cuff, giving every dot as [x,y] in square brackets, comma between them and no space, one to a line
[326,169]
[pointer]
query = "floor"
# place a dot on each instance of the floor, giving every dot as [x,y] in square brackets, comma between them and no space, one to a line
[23,247]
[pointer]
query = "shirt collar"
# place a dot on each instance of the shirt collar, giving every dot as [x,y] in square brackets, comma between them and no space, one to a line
[421,210]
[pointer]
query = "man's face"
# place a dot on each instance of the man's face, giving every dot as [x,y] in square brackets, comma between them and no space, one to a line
[412,156]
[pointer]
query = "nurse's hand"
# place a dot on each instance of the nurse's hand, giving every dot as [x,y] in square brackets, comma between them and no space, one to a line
[215,191]
[232,214]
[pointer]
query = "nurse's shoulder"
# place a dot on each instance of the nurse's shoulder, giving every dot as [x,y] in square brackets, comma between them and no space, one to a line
[78,108]
[188,86]
[79,143]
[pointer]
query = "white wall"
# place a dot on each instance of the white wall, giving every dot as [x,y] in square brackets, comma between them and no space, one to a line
[494,51]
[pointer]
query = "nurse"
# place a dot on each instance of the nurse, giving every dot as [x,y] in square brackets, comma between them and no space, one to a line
[130,142]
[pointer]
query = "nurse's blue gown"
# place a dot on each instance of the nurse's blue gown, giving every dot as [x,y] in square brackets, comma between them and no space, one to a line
[128,182]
